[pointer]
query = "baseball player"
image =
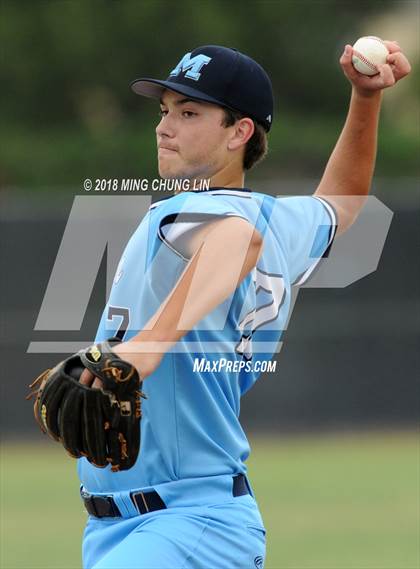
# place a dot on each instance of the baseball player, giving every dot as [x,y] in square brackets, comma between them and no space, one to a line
[207,277]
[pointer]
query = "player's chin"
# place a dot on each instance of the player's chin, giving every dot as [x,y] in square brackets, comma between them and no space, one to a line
[169,171]
[166,174]
[166,169]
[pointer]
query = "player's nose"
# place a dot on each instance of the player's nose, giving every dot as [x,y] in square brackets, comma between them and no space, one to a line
[165,127]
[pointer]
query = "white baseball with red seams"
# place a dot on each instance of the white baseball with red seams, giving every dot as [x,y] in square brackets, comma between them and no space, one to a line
[368,52]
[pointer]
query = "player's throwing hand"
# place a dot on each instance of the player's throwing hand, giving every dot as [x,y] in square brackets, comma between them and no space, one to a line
[396,67]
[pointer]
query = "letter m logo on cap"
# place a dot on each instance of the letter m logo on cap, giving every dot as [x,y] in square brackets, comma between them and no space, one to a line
[192,66]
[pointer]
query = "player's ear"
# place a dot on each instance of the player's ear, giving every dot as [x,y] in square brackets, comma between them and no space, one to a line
[243,130]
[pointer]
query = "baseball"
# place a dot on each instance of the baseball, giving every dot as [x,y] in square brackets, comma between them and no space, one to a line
[368,52]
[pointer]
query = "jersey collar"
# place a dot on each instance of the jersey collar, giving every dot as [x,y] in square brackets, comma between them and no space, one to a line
[211,189]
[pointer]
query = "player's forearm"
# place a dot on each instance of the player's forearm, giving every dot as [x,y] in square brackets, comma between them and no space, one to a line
[224,259]
[350,168]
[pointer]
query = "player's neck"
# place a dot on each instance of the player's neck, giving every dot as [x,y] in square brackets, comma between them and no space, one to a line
[228,180]
[229,177]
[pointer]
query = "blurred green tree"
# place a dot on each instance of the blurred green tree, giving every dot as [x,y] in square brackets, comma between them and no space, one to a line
[66,107]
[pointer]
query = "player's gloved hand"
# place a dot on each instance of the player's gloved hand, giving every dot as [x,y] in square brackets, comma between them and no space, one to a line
[396,67]
[102,425]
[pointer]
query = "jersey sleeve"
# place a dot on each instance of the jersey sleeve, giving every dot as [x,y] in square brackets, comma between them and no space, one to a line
[185,216]
[304,228]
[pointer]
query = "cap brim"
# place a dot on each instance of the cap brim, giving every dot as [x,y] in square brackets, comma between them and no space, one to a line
[154,88]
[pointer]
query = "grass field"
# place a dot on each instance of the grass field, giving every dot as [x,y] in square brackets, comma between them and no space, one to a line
[329,502]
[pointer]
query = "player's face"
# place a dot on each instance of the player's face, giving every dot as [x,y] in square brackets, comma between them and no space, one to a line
[192,143]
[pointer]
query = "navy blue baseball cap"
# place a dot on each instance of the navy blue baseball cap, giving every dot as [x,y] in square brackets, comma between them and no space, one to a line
[220,75]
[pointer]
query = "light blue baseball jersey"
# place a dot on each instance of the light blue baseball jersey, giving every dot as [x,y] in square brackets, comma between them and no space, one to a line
[190,426]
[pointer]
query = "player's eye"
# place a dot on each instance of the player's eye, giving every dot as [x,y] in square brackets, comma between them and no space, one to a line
[163,113]
[188,114]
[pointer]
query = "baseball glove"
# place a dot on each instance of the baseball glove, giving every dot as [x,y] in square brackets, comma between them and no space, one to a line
[102,425]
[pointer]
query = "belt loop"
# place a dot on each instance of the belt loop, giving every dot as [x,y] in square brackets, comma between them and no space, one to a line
[125,505]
